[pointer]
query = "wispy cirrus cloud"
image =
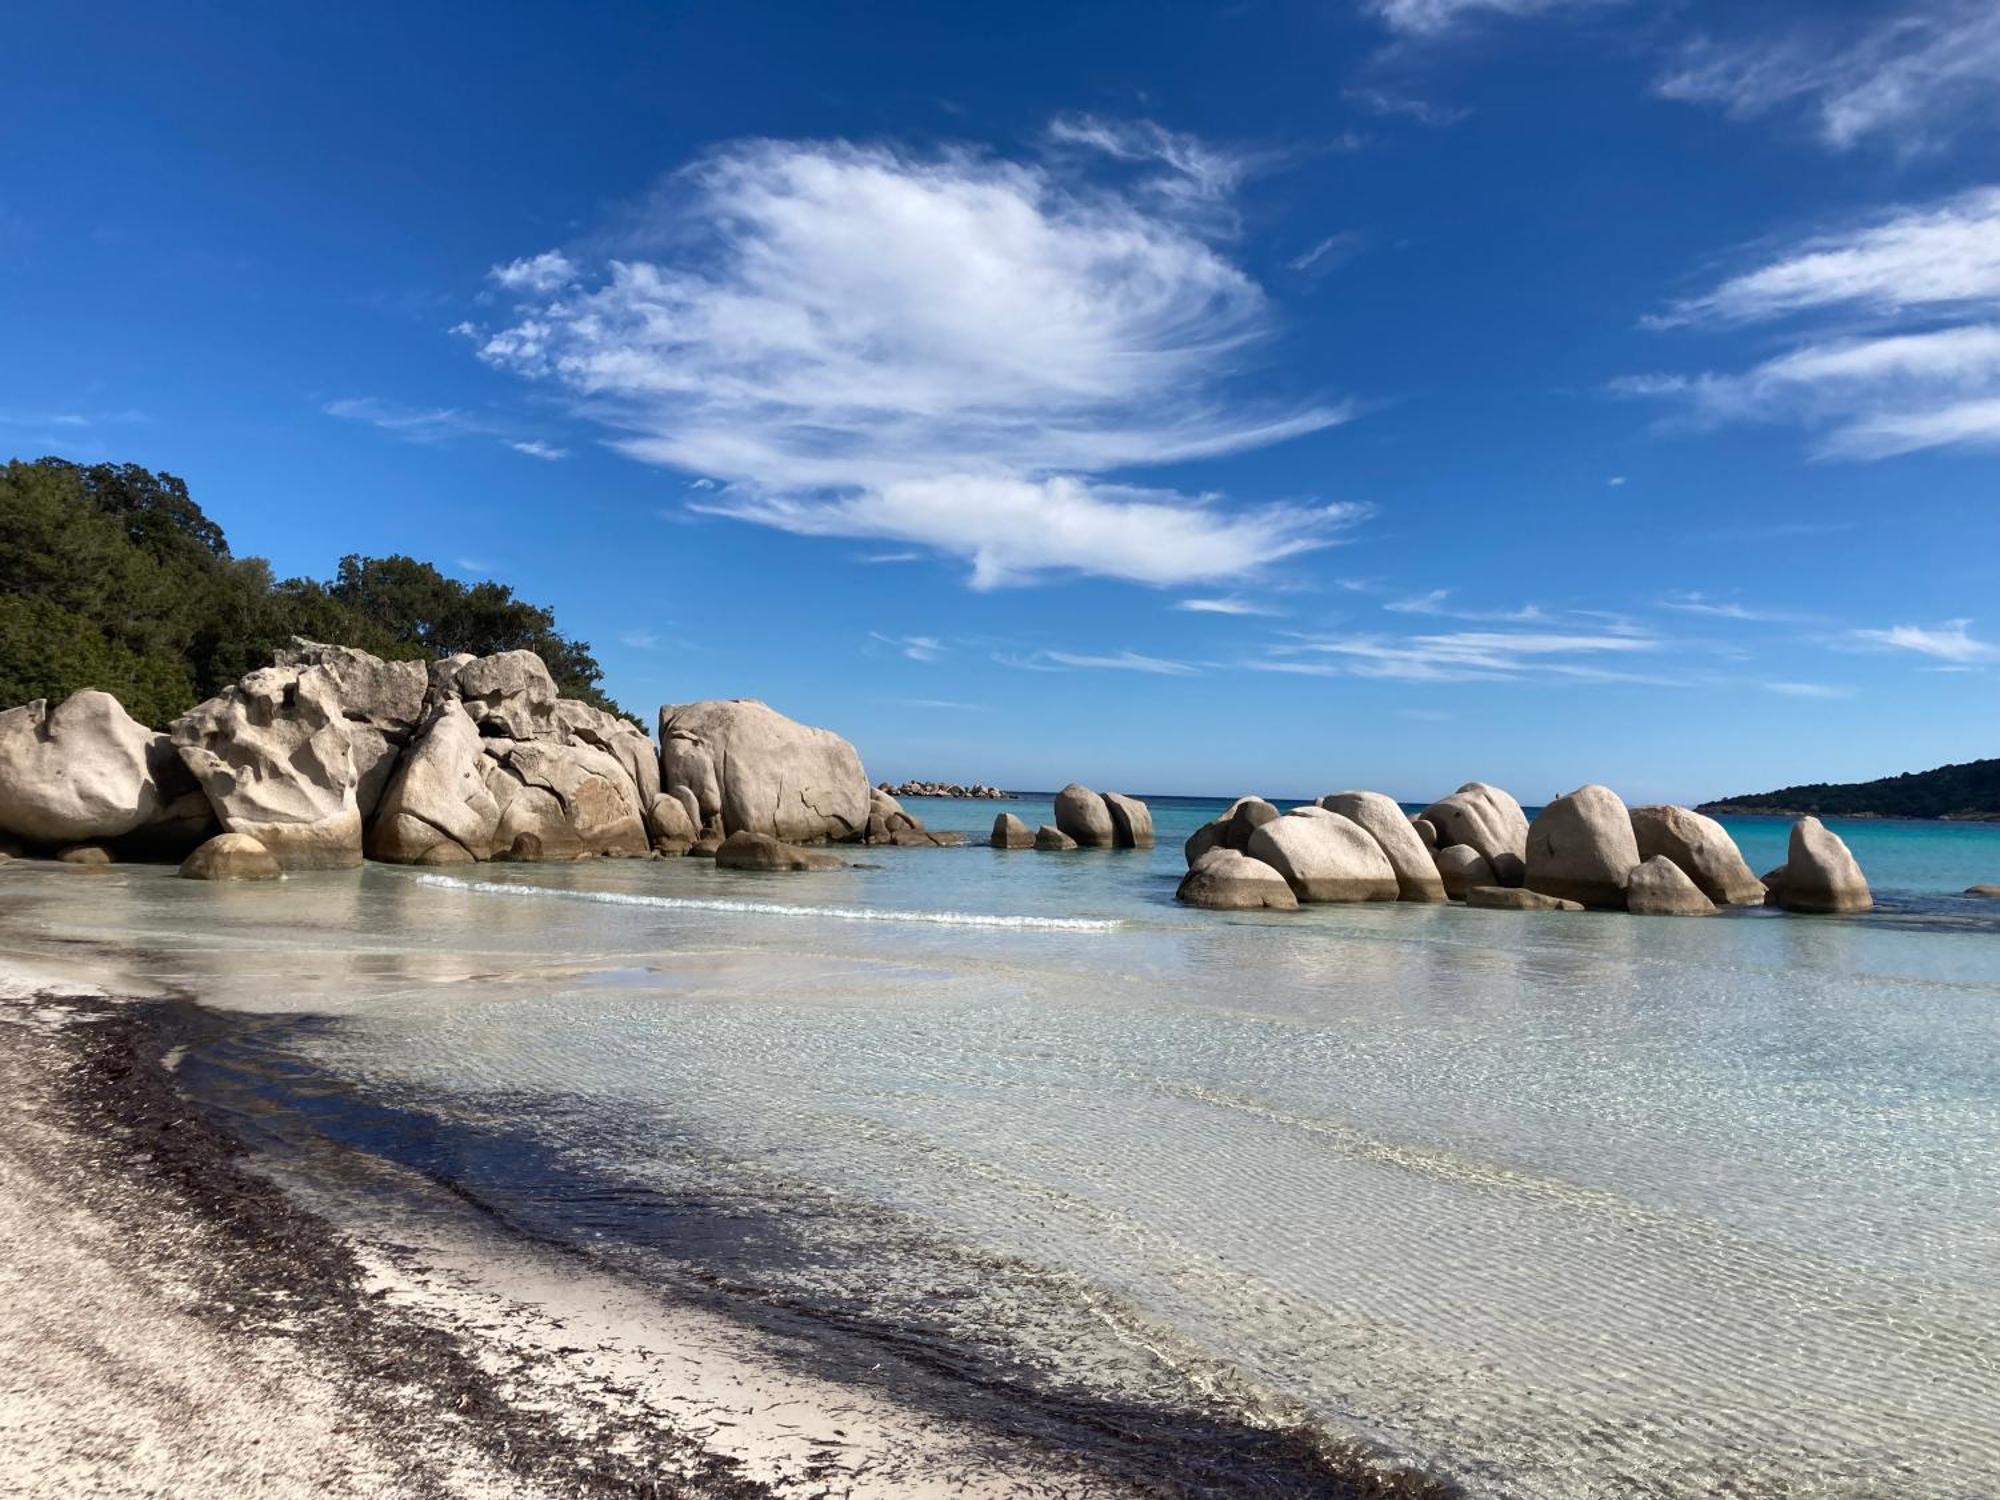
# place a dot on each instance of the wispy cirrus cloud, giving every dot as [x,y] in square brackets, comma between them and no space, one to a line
[1921,372]
[1079,661]
[1435,18]
[1952,641]
[436,424]
[1694,602]
[940,348]
[915,647]
[1909,75]
[1230,605]
[1827,690]
[1468,656]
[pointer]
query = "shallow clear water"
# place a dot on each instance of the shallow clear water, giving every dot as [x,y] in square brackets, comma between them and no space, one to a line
[1571,1205]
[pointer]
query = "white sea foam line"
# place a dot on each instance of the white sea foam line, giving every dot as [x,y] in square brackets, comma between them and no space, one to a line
[781,908]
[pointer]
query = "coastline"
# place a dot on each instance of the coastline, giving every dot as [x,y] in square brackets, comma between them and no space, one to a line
[379,1334]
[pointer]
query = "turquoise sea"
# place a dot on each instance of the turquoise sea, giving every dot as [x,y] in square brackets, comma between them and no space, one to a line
[1546,1205]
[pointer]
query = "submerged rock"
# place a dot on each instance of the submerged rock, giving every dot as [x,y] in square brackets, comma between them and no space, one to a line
[1009,832]
[1581,848]
[1416,872]
[1661,888]
[84,854]
[1517,898]
[1082,815]
[1325,857]
[744,850]
[230,856]
[1702,848]
[1223,880]
[1820,874]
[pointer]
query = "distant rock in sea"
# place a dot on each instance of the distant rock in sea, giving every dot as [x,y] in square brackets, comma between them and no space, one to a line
[976,791]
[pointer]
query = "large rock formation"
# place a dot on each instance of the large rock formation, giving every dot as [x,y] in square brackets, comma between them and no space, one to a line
[1702,848]
[1820,873]
[1416,872]
[1082,815]
[276,761]
[1325,857]
[1661,888]
[1232,830]
[1131,821]
[439,810]
[1487,819]
[81,770]
[1224,880]
[1581,848]
[381,703]
[753,770]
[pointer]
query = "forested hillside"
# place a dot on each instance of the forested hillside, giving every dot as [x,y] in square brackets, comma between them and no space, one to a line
[1970,791]
[111,577]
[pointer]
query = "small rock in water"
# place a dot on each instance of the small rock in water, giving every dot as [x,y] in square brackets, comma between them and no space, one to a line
[744,850]
[1223,880]
[1009,832]
[84,854]
[1661,888]
[1048,838]
[1991,892]
[1820,873]
[231,856]
[1517,898]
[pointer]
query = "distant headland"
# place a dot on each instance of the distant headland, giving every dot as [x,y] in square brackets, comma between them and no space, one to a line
[977,791]
[1967,793]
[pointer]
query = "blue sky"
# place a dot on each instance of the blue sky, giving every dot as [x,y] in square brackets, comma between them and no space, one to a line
[1254,396]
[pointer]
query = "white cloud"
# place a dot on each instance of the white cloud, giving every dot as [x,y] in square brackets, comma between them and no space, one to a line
[1121,661]
[1430,18]
[473,565]
[1888,391]
[1423,111]
[1938,258]
[1692,602]
[536,448]
[1809,690]
[640,640]
[948,704]
[1439,602]
[915,647]
[1226,606]
[1952,641]
[941,350]
[416,424]
[537,273]
[1330,252]
[1910,75]
[1464,656]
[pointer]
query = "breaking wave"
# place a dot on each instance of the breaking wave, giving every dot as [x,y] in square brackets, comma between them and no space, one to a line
[780,908]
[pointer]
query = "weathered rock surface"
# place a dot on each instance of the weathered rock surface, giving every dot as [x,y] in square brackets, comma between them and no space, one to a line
[1386,823]
[1489,820]
[381,702]
[745,850]
[1702,848]
[1661,888]
[1581,848]
[83,769]
[230,856]
[1232,830]
[1462,867]
[439,808]
[1820,874]
[1224,880]
[759,772]
[1325,857]
[1425,830]
[275,759]
[1131,821]
[85,854]
[1051,839]
[668,825]
[1009,832]
[1082,815]
[1515,898]
[576,799]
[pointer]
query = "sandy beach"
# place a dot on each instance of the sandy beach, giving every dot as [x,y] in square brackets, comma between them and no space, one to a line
[177,1324]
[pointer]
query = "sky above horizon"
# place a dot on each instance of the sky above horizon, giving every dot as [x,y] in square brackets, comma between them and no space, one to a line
[1257,396]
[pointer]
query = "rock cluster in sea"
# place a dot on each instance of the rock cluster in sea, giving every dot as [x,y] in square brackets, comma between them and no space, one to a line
[976,791]
[1084,820]
[1584,851]
[331,754]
